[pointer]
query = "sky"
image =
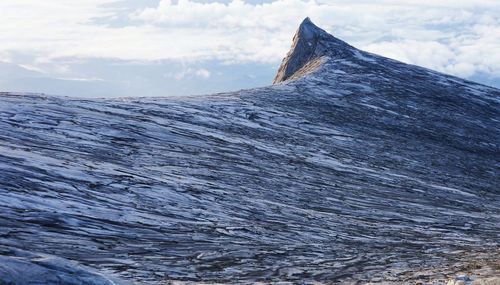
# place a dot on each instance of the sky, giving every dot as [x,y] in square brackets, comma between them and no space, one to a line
[113,48]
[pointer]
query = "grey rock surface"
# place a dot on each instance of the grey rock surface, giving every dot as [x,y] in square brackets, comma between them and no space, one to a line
[310,43]
[18,267]
[362,169]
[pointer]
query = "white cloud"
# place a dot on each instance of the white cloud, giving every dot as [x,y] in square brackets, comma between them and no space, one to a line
[203,73]
[459,36]
[200,73]
[448,36]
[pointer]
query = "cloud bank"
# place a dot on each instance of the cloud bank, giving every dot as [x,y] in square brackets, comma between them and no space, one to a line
[458,37]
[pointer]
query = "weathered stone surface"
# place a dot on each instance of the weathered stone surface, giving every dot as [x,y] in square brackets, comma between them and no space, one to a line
[358,169]
[310,43]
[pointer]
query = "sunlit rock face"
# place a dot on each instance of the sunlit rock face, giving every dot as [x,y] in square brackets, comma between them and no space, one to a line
[310,43]
[351,168]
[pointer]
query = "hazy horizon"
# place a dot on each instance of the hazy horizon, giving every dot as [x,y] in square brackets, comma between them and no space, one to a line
[110,48]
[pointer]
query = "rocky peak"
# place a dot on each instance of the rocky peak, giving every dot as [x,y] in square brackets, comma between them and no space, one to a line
[309,44]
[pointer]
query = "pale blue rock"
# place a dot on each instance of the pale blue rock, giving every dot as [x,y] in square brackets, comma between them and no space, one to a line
[351,168]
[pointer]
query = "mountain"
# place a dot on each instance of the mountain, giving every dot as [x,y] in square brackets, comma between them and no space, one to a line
[97,78]
[351,168]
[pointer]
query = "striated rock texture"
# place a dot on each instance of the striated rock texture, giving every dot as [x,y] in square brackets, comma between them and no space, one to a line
[361,169]
[310,43]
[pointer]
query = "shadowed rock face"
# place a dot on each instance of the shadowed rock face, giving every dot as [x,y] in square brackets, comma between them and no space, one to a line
[309,44]
[19,267]
[356,168]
